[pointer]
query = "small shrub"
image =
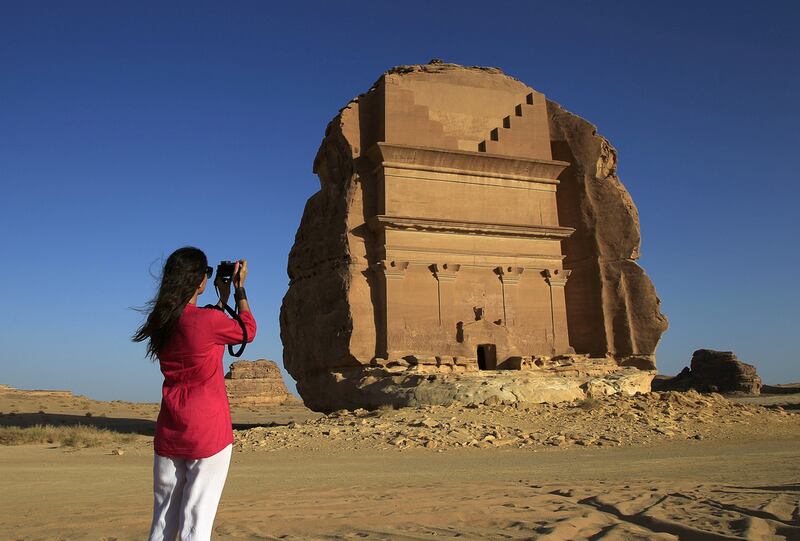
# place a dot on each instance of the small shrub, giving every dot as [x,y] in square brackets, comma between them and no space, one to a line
[381,410]
[76,436]
[589,404]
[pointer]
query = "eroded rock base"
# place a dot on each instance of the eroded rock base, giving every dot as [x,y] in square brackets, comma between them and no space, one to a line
[416,383]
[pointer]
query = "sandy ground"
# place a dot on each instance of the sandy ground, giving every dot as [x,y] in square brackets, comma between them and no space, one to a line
[739,482]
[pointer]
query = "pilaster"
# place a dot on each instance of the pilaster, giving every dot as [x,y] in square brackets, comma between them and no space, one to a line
[509,280]
[393,273]
[559,336]
[445,274]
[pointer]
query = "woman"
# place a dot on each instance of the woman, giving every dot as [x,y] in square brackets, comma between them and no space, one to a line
[194,435]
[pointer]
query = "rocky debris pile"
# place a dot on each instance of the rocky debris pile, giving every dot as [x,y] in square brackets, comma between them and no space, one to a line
[257,382]
[610,421]
[713,371]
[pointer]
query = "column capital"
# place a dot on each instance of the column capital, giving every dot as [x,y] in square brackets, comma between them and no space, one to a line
[391,269]
[556,277]
[445,272]
[509,275]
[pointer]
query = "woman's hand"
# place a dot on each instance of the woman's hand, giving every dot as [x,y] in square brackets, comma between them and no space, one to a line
[239,276]
[240,272]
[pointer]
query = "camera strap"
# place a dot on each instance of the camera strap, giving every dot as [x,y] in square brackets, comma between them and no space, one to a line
[235,315]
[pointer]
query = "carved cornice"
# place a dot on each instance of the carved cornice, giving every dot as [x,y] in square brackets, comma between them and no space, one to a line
[468,228]
[465,162]
[410,251]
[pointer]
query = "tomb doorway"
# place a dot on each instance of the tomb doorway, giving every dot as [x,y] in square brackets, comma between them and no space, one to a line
[487,357]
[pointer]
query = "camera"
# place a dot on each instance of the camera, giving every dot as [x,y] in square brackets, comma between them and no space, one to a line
[225,271]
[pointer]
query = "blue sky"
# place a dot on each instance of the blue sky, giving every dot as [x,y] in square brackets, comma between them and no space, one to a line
[129,129]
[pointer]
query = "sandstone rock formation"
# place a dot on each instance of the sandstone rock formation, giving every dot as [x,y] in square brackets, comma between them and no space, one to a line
[612,305]
[257,383]
[469,241]
[781,388]
[714,371]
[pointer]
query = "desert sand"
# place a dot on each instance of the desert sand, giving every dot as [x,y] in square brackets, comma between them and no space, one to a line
[659,466]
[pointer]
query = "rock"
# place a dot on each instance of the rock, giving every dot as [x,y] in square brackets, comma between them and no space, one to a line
[473,389]
[713,371]
[619,309]
[399,440]
[721,371]
[503,442]
[559,439]
[449,197]
[257,383]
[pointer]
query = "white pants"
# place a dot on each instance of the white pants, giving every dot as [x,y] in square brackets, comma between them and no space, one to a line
[186,494]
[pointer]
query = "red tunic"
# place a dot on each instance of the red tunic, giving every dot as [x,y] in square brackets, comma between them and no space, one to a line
[195,417]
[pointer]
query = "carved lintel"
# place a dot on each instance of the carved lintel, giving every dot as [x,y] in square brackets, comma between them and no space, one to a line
[556,277]
[393,270]
[509,275]
[445,272]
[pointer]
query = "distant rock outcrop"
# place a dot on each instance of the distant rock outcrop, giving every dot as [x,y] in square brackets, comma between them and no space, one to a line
[257,382]
[713,371]
[781,388]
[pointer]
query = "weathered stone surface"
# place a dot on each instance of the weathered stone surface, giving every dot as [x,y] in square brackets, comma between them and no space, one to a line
[714,371]
[437,240]
[612,306]
[256,382]
[371,387]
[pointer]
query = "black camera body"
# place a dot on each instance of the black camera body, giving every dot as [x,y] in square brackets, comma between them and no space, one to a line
[225,271]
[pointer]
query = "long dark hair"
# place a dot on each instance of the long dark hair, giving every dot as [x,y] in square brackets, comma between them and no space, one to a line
[182,274]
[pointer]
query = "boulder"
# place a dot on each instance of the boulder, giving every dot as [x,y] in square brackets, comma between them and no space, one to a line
[713,371]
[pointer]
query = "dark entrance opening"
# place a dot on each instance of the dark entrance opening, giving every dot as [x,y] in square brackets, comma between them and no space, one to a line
[487,357]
